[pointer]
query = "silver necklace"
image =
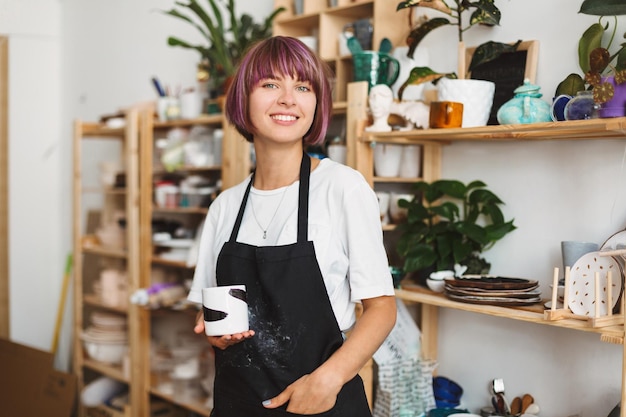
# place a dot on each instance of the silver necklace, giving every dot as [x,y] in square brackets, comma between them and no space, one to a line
[264,229]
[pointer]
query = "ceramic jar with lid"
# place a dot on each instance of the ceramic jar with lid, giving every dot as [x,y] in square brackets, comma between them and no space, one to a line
[526,107]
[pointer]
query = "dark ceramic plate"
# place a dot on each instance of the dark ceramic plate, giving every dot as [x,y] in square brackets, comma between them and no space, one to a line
[492,282]
[495,301]
[474,292]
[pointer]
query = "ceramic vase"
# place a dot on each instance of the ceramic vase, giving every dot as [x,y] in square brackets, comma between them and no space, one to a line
[476,96]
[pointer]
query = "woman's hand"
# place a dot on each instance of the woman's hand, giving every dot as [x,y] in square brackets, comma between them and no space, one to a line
[221,342]
[311,394]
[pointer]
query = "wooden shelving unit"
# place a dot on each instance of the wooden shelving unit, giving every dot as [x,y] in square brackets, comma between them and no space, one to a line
[429,302]
[91,258]
[235,167]
[136,199]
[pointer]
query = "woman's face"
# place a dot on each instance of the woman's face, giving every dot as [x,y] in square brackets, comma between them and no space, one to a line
[282,109]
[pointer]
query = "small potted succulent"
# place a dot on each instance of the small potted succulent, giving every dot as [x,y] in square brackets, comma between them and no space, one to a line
[451,223]
[604,72]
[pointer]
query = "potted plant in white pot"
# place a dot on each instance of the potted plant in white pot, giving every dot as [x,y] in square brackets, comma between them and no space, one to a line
[476,95]
[604,71]
[450,223]
[226,35]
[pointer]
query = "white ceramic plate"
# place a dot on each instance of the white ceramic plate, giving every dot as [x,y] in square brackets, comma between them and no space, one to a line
[617,239]
[582,294]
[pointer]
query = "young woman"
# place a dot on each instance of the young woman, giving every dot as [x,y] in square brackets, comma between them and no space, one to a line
[305,238]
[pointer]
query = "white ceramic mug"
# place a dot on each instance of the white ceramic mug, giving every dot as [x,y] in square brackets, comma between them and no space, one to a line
[398,214]
[387,159]
[225,310]
[383,204]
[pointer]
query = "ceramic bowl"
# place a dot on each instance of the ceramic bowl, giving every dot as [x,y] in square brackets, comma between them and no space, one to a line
[112,352]
[436,285]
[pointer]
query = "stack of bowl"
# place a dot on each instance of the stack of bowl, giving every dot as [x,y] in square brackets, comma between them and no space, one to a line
[106,340]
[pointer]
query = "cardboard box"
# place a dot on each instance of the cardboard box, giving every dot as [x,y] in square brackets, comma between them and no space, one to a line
[30,385]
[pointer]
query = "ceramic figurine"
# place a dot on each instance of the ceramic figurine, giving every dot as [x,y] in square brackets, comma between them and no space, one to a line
[526,107]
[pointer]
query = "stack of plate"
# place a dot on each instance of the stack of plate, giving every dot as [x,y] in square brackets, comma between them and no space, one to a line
[106,340]
[495,290]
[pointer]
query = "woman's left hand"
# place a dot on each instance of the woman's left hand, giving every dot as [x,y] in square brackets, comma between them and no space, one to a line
[311,394]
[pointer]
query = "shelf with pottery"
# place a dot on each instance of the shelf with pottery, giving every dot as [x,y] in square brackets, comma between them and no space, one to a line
[610,128]
[98,248]
[230,167]
[320,23]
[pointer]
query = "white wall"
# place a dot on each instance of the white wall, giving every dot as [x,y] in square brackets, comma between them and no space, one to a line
[37,226]
[86,58]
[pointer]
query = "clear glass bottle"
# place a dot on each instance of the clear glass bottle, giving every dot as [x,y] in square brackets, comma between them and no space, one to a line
[581,107]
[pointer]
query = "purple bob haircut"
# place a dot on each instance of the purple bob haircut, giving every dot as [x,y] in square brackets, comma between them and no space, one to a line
[276,57]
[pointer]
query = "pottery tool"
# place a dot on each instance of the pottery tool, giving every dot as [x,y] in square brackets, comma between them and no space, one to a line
[497,386]
[61,309]
[527,400]
[158,87]
[516,406]
[555,286]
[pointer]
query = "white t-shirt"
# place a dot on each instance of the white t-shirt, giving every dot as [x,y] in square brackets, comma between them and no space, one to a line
[344,225]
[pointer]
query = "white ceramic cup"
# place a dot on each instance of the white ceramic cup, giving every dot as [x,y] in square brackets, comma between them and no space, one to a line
[397,213]
[410,162]
[572,250]
[225,310]
[387,159]
[190,105]
[337,153]
[383,204]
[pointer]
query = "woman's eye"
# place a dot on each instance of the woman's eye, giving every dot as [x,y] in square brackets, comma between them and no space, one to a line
[304,88]
[269,85]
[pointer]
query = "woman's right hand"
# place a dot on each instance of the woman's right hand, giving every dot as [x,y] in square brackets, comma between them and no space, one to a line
[222,342]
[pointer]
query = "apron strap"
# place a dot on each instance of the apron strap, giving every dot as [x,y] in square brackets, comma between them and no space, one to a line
[303,202]
[303,198]
[242,208]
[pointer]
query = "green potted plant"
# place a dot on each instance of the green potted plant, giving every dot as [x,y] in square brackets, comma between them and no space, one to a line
[603,70]
[451,223]
[483,12]
[227,35]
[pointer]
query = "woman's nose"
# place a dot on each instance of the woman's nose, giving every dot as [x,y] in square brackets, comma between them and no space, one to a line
[286,97]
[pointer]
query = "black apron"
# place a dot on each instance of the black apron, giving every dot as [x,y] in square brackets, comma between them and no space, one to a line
[290,312]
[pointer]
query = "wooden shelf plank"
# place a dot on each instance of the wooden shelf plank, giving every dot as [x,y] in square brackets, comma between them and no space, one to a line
[205,119]
[532,314]
[111,371]
[614,128]
[196,406]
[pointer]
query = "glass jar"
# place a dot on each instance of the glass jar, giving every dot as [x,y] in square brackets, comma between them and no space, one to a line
[581,107]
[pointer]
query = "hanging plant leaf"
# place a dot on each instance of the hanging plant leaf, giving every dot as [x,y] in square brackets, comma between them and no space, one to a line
[599,59]
[486,13]
[590,40]
[593,78]
[620,76]
[572,84]
[603,7]
[419,75]
[432,4]
[603,92]
[620,63]
[418,33]
[489,51]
